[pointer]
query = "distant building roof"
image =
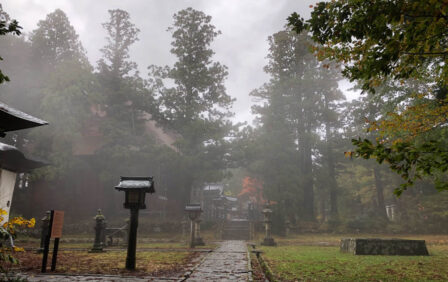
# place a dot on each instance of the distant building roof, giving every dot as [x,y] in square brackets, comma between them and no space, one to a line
[14,160]
[214,187]
[12,119]
[231,199]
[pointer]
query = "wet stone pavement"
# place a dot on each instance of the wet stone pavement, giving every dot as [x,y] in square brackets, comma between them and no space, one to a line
[228,262]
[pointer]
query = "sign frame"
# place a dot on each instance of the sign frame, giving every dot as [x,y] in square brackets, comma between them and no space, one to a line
[54,231]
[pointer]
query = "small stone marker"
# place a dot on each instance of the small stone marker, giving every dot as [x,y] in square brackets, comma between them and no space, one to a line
[389,247]
[100,229]
[44,230]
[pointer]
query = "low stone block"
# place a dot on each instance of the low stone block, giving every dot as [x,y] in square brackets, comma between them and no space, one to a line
[268,242]
[399,247]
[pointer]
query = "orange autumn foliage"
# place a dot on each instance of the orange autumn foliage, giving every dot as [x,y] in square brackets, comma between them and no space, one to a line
[253,189]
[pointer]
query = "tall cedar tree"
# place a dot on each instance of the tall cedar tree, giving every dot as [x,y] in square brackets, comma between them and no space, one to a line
[298,99]
[197,106]
[55,40]
[118,77]
[64,89]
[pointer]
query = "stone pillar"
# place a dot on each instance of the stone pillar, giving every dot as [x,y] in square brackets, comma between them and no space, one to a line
[184,229]
[287,227]
[393,212]
[192,232]
[198,238]
[251,217]
[100,228]
[44,231]
[268,240]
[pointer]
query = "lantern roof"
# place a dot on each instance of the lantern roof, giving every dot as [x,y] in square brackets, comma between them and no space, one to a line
[13,159]
[12,119]
[193,207]
[136,182]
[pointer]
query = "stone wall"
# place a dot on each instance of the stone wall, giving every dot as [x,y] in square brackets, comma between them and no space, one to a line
[399,247]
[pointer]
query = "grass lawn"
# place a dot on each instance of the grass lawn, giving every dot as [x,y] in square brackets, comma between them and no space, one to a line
[300,259]
[149,263]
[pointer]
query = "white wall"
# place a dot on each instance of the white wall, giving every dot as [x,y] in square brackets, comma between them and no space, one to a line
[7,183]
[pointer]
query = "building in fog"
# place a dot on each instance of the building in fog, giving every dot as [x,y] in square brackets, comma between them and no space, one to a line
[215,205]
[13,163]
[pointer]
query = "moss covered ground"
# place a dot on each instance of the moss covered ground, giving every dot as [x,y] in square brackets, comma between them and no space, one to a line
[317,258]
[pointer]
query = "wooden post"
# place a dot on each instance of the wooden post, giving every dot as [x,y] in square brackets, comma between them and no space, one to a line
[47,245]
[55,254]
[132,242]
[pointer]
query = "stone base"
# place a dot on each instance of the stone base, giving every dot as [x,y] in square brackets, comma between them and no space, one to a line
[199,242]
[268,242]
[97,250]
[390,247]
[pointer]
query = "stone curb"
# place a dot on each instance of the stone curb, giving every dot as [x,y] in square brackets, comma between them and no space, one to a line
[249,266]
[266,269]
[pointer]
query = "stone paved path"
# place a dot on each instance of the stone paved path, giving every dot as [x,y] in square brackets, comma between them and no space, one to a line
[229,262]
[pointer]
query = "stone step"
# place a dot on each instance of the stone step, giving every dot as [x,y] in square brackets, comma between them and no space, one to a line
[235,236]
[236,223]
[236,230]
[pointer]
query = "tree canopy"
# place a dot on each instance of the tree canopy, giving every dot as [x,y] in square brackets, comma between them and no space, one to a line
[7,26]
[401,41]
[55,40]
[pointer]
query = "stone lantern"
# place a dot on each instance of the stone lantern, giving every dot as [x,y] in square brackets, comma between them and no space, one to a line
[194,212]
[43,231]
[287,227]
[198,239]
[251,216]
[268,240]
[100,229]
[135,189]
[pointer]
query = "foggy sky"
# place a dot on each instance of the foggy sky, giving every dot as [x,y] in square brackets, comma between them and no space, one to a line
[242,46]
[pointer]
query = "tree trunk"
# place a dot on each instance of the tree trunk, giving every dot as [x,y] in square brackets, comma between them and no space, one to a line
[308,183]
[379,192]
[322,204]
[331,175]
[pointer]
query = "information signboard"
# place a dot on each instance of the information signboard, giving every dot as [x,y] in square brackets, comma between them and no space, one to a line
[58,222]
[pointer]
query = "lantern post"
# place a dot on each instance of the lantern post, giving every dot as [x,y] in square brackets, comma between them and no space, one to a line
[135,189]
[194,212]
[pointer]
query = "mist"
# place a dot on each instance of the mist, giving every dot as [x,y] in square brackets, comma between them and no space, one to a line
[207,97]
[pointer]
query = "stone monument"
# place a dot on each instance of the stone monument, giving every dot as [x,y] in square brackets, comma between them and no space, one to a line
[100,228]
[268,240]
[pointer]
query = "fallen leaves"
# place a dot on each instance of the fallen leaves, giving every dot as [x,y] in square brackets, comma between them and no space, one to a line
[149,263]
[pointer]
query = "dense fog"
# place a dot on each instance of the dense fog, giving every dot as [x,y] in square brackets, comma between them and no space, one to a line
[203,95]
